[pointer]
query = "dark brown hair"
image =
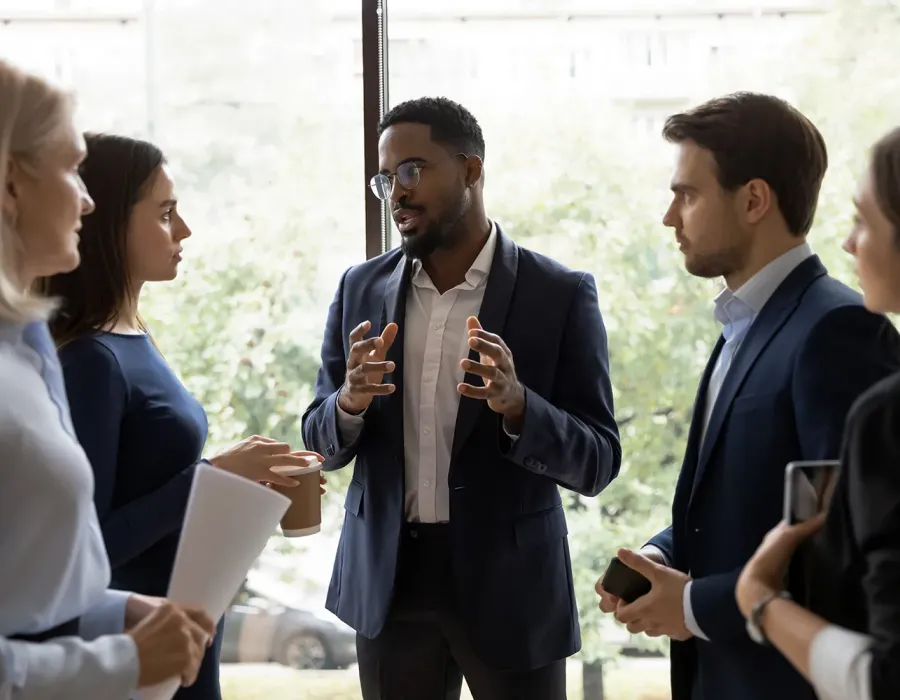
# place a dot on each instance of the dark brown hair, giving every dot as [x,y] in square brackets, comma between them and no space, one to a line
[117,172]
[886,176]
[755,136]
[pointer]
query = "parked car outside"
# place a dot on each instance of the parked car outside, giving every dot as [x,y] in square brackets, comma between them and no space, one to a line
[259,630]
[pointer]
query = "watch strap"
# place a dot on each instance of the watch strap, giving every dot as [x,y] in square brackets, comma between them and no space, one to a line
[754,628]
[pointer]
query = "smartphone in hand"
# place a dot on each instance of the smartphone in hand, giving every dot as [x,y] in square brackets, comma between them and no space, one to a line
[623,582]
[808,487]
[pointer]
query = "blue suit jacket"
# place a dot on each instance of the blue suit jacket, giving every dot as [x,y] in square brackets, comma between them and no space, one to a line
[512,569]
[812,350]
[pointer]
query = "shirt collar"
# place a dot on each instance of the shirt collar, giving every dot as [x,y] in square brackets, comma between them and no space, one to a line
[477,273]
[751,297]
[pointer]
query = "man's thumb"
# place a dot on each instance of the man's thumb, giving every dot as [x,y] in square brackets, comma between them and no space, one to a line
[639,563]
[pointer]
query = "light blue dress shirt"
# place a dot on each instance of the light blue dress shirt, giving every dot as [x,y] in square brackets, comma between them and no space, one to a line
[736,311]
[52,557]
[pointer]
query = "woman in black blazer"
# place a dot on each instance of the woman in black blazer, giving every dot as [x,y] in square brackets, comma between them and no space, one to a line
[846,642]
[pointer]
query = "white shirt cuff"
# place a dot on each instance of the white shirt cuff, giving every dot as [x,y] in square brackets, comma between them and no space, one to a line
[689,620]
[840,665]
[509,434]
[653,549]
[107,617]
[68,667]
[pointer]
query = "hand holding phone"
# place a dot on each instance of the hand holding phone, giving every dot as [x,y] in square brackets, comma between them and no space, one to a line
[808,488]
[623,582]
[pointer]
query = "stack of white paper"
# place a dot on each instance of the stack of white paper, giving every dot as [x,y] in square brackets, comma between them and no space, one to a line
[229,520]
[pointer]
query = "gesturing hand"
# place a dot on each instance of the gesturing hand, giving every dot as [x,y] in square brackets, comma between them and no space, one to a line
[366,368]
[502,390]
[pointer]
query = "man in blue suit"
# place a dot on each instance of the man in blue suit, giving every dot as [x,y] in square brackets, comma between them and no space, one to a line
[797,349]
[468,377]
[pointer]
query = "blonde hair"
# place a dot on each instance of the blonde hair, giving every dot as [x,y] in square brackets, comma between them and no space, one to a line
[31,113]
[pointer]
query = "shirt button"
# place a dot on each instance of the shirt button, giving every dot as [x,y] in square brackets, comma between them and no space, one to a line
[427,431]
[426,484]
[436,327]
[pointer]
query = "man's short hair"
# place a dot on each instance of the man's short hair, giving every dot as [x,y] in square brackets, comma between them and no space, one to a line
[756,136]
[452,125]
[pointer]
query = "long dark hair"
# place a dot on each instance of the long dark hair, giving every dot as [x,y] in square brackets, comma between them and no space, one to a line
[886,174]
[117,172]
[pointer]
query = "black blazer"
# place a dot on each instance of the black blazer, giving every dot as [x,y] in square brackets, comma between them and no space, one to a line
[857,554]
[810,353]
[512,568]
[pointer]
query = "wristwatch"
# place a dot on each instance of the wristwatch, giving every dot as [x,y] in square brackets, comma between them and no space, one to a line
[753,627]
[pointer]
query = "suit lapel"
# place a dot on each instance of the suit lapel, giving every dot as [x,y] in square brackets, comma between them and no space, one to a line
[394,311]
[768,322]
[494,310]
[687,479]
[695,434]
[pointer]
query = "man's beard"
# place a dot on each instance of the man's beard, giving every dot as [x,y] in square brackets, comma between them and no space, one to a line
[444,233]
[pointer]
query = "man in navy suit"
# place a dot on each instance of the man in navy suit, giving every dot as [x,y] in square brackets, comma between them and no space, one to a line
[469,379]
[797,349]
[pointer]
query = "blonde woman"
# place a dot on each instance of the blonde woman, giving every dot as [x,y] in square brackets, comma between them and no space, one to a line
[54,570]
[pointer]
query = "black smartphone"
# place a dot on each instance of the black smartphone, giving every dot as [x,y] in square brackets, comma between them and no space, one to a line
[808,487]
[623,582]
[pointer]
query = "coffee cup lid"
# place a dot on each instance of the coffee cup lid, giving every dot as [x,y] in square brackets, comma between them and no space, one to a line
[313,465]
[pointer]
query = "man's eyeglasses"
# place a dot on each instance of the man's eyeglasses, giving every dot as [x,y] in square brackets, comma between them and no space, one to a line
[408,175]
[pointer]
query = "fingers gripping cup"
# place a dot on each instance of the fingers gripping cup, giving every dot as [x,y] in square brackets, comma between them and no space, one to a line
[304,515]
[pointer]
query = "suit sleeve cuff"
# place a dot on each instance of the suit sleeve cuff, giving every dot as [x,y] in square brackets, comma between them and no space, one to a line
[349,426]
[689,620]
[107,617]
[840,665]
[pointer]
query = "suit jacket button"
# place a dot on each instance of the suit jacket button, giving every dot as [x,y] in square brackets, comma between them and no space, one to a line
[329,450]
[530,462]
[542,467]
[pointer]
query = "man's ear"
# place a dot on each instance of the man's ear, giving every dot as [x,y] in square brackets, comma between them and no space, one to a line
[474,170]
[758,200]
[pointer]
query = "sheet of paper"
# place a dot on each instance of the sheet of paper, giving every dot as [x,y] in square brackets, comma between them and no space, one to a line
[228,522]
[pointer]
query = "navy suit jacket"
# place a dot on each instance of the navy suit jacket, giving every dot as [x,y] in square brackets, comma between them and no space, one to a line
[811,351]
[512,568]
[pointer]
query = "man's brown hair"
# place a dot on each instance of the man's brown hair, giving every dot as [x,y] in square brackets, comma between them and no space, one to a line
[756,136]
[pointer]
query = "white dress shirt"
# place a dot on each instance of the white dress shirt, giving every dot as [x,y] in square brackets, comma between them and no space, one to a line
[435,341]
[840,664]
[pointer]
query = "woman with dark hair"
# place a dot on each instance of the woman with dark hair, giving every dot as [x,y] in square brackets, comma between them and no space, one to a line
[142,431]
[848,642]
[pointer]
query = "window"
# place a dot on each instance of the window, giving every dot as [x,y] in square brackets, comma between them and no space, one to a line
[259,108]
[260,115]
